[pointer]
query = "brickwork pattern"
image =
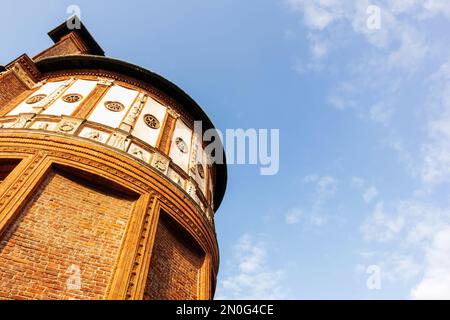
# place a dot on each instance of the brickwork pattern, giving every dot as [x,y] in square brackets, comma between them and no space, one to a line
[67,229]
[175,265]
[65,47]
[10,88]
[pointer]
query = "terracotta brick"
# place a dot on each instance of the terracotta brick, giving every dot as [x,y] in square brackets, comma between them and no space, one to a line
[37,251]
[10,88]
[175,265]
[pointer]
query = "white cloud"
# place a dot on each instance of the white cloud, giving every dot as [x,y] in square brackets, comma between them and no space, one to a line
[402,6]
[370,194]
[436,150]
[382,226]
[400,48]
[436,281]
[372,84]
[340,97]
[413,222]
[294,216]
[411,52]
[325,188]
[434,7]
[399,267]
[318,46]
[381,113]
[318,14]
[395,267]
[357,182]
[420,228]
[251,278]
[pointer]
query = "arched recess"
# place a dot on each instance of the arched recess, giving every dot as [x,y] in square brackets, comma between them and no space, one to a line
[41,153]
[65,240]
[176,264]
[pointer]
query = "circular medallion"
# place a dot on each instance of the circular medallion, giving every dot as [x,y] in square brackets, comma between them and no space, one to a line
[181,145]
[151,121]
[36,98]
[72,98]
[114,106]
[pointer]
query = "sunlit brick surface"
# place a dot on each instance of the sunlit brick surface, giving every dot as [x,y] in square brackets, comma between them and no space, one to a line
[175,265]
[67,223]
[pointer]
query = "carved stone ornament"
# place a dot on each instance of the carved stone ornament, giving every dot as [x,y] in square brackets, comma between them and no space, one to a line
[43,126]
[68,125]
[182,146]
[119,141]
[161,163]
[48,100]
[21,121]
[151,121]
[105,82]
[136,109]
[114,106]
[72,98]
[173,113]
[94,135]
[138,153]
[191,190]
[35,99]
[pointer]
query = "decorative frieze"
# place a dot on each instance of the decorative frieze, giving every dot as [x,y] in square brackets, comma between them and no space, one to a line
[21,121]
[161,163]
[131,118]
[51,98]
[68,125]
[119,140]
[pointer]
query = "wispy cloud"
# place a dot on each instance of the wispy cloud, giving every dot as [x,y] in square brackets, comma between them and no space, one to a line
[324,189]
[252,277]
[436,281]
[370,194]
[416,228]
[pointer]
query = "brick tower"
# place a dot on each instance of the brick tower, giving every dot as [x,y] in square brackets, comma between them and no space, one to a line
[105,187]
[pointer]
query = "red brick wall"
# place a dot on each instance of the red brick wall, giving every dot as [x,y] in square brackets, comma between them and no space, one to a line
[175,265]
[10,88]
[67,223]
[65,47]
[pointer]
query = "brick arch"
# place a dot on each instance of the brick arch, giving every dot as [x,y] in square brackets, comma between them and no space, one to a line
[129,275]
[64,242]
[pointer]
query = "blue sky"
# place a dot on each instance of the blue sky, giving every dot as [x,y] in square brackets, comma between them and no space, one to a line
[364,119]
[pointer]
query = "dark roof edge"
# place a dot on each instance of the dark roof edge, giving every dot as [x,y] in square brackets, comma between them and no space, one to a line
[64,29]
[76,62]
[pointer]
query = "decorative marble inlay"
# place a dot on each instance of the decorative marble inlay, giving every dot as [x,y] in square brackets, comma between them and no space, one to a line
[151,121]
[68,126]
[114,106]
[119,141]
[161,163]
[94,135]
[35,99]
[72,98]
[21,121]
[136,109]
